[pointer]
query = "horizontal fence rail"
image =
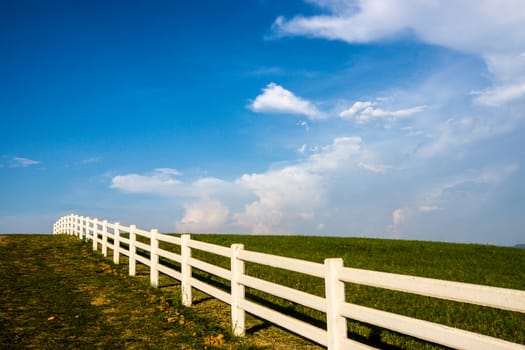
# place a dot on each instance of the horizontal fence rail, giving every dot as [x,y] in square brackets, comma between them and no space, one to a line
[334,336]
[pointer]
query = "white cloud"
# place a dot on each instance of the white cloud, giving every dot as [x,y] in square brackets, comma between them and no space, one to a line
[302,149]
[429,208]
[167,171]
[400,215]
[203,216]
[276,99]
[283,194]
[471,189]
[160,182]
[488,25]
[304,124]
[275,201]
[371,112]
[502,94]
[375,168]
[19,162]
[490,29]
[297,193]
[326,187]
[454,133]
[439,197]
[356,107]
[363,112]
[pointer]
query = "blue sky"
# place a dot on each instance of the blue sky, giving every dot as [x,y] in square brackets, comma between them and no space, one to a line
[396,119]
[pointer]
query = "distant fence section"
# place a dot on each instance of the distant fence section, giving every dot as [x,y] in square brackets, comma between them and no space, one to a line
[106,235]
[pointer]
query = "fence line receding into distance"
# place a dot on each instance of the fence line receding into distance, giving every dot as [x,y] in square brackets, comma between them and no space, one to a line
[108,235]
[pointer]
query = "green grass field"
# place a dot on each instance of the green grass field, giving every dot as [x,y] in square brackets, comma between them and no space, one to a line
[57,293]
[480,264]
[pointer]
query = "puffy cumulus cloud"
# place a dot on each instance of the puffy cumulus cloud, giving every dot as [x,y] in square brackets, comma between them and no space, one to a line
[342,188]
[166,182]
[490,29]
[277,201]
[364,112]
[297,192]
[282,195]
[160,181]
[336,155]
[203,216]
[278,100]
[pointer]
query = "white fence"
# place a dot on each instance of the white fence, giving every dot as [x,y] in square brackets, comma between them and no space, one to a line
[108,235]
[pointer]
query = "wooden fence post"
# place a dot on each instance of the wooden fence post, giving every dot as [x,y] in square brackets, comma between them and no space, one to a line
[237,291]
[132,250]
[116,243]
[95,232]
[154,259]
[105,238]
[335,296]
[185,269]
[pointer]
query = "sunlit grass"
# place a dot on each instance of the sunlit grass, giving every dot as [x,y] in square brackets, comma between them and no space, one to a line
[479,264]
[57,294]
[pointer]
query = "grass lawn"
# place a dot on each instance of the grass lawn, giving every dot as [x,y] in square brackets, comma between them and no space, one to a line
[56,294]
[472,263]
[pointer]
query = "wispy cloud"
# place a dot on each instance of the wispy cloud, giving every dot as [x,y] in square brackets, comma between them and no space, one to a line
[277,100]
[356,108]
[363,112]
[501,94]
[91,160]
[19,162]
[454,133]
